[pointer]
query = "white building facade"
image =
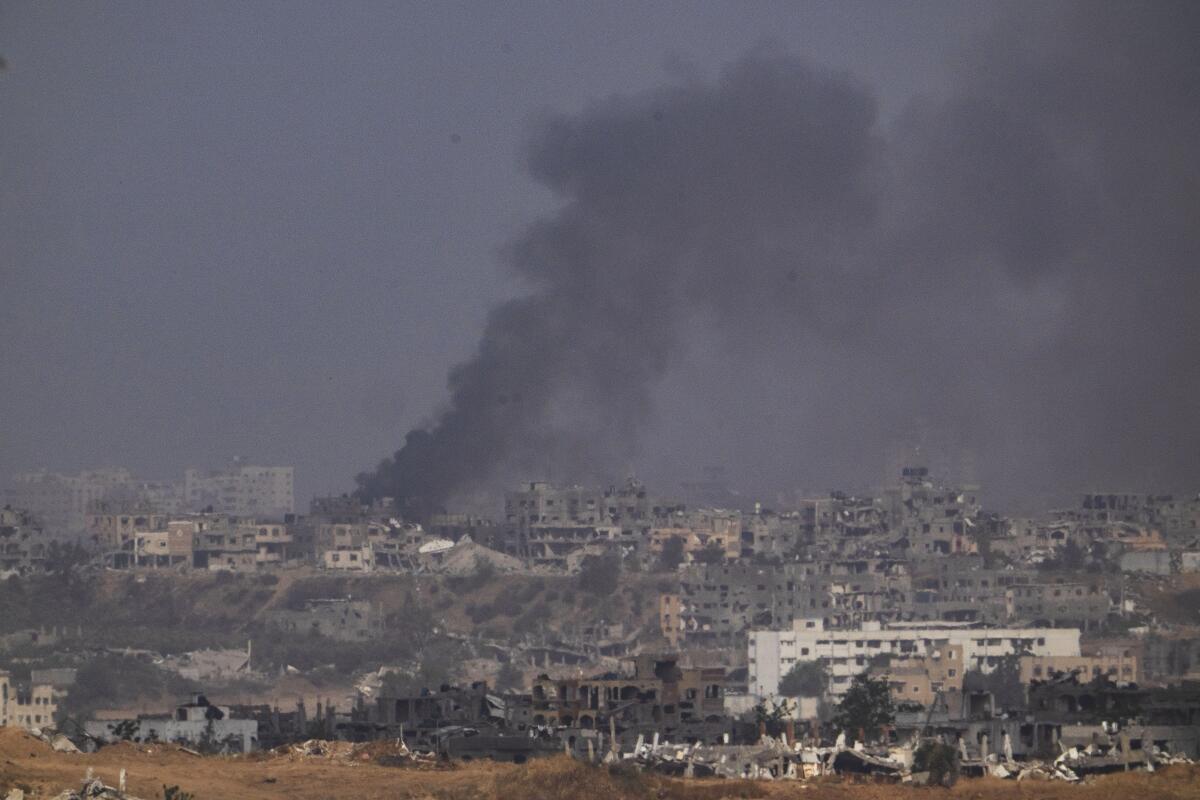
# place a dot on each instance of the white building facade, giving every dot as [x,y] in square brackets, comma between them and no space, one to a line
[242,490]
[847,653]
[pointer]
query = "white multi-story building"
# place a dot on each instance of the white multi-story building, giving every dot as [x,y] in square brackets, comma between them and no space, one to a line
[846,653]
[241,490]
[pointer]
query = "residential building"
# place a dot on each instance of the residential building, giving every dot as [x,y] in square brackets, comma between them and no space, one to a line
[198,723]
[720,602]
[28,707]
[846,653]
[173,547]
[1079,604]
[654,694]
[931,679]
[112,531]
[262,492]
[1115,666]
[932,517]
[23,547]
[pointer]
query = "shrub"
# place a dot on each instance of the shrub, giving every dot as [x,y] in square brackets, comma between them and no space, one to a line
[805,679]
[671,555]
[866,706]
[939,760]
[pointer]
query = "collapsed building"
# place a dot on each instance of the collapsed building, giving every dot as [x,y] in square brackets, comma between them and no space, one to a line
[653,694]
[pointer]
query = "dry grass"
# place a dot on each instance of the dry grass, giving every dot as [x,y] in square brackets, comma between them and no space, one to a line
[30,764]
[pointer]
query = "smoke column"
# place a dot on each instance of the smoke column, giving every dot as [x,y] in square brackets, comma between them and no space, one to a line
[1015,260]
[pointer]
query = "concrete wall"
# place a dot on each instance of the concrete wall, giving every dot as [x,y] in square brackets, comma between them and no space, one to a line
[191,732]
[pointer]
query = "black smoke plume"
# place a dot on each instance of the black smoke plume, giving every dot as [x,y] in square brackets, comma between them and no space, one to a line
[1015,260]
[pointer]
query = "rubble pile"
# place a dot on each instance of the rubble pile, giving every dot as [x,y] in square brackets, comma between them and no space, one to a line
[59,742]
[776,759]
[770,759]
[92,788]
[95,788]
[385,752]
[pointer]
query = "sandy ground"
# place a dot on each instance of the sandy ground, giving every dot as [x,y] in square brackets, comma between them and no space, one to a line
[30,764]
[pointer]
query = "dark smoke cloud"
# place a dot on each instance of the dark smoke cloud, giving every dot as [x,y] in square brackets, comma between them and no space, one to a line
[1013,263]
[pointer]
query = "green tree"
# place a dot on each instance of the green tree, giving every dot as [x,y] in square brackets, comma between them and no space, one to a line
[1003,682]
[805,679]
[671,555]
[600,574]
[772,718]
[866,706]
[711,553]
[939,760]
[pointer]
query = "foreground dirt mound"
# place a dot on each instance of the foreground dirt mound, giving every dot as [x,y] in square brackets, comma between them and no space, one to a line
[561,778]
[33,766]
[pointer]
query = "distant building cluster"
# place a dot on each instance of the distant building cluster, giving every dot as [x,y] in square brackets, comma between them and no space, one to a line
[62,503]
[980,626]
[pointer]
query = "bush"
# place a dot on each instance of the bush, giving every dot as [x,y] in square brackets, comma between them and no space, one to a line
[672,554]
[866,706]
[939,760]
[711,554]
[805,679]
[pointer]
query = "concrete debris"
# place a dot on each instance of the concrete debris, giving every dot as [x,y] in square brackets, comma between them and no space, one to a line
[774,759]
[62,744]
[387,752]
[92,789]
[58,741]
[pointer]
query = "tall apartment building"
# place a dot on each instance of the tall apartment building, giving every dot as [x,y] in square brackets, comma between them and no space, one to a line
[241,490]
[539,512]
[934,518]
[846,653]
[718,603]
[60,502]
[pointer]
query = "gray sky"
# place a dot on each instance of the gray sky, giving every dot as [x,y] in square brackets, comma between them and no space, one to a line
[269,230]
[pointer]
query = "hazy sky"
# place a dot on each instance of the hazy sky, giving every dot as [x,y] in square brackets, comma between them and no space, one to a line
[269,230]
